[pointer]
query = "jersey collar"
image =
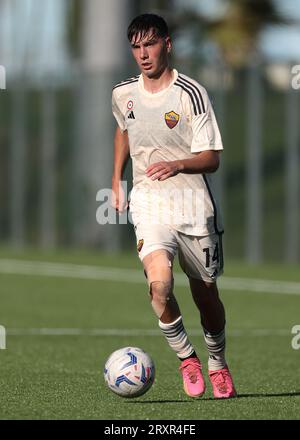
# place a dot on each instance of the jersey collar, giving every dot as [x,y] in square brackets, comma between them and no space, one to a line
[161,92]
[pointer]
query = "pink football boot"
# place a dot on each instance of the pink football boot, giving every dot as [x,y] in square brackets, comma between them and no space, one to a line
[222,383]
[193,381]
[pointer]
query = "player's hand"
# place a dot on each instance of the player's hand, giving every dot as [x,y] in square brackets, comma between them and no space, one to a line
[118,200]
[163,170]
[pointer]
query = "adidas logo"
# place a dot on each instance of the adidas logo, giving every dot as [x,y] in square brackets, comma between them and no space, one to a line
[131,115]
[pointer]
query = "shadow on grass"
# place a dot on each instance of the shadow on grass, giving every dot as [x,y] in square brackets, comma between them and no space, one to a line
[240,396]
[297,393]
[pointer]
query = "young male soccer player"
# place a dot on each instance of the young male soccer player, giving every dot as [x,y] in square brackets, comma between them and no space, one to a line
[168,127]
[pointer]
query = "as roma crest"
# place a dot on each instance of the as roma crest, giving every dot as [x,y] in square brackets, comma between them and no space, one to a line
[140,245]
[171,119]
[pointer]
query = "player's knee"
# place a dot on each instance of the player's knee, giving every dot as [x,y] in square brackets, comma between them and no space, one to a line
[158,266]
[203,289]
[160,291]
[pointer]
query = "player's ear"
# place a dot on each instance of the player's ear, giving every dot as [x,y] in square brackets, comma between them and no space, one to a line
[168,44]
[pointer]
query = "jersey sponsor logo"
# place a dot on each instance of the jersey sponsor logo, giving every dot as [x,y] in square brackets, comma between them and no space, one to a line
[130,105]
[140,245]
[171,119]
[131,115]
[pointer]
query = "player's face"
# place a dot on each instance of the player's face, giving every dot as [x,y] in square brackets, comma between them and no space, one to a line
[151,54]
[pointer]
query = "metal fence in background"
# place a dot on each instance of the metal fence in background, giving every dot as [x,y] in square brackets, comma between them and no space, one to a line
[57,152]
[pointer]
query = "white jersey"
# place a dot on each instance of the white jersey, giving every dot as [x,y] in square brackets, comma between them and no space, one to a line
[169,125]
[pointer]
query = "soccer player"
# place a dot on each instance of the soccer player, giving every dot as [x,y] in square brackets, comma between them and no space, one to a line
[167,126]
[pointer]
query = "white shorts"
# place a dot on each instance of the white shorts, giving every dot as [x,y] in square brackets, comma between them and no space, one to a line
[199,257]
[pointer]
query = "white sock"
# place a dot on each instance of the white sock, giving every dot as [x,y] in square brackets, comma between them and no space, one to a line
[215,344]
[177,338]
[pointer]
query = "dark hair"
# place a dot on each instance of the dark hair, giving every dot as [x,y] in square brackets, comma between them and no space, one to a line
[143,24]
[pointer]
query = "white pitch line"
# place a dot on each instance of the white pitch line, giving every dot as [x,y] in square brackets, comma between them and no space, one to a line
[64,270]
[134,332]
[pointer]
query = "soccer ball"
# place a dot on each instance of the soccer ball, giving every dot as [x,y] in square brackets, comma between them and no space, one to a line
[129,372]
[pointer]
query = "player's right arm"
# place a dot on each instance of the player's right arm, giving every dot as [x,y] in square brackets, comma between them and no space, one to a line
[121,155]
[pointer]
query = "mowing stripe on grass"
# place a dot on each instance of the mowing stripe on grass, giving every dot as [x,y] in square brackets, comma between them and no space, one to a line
[38,268]
[133,332]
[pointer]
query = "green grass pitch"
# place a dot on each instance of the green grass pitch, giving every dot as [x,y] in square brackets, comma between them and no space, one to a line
[60,376]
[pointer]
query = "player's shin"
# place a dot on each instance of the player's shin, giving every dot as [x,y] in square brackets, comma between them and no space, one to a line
[170,321]
[177,338]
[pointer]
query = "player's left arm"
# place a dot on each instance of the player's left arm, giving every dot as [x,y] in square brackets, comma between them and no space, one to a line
[204,162]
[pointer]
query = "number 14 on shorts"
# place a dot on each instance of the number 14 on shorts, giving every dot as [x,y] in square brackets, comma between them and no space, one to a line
[214,258]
